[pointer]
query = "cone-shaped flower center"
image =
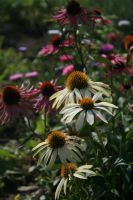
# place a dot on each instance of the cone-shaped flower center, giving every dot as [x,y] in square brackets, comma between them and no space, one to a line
[56,139]
[56,40]
[11,95]
[87,103]
[97,11]
[73,8]
[47,89]
[68,169]
[77,80]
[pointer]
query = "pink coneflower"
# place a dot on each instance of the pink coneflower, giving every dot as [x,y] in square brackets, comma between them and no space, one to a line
[56,44]
[119,65]
[66,58]
[73,14]
[113,37]
[44,91]
[97,17]
[15,77]
[15,101]
[68,69]
[31,74]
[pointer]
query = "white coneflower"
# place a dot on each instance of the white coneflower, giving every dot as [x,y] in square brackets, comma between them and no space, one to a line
[67,147]
[72,171]
[77,84]
[86,109]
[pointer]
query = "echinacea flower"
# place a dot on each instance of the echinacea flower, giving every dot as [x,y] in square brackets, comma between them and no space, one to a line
[73,14]
[66,58]
[56,44]
[15,101]
[77,84]
[15,77]
[68,69]
[113,36]
[86,110]
[120,65]
[44,91]
[60,144]
[71,171]
[96,17]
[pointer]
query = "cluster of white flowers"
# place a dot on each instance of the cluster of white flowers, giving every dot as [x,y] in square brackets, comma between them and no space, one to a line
[82,100]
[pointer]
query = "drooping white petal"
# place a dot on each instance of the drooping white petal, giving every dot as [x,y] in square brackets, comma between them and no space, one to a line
[97,96]
[47,156]
[88,172]
[85,167]
[70,112]
[87,93]
[80,120]
[40,149]
[39,145]
[62,156]
[65,185]
[80,175]
[77,94]
[99,115]
[105,109]
[68,107]
[52,159]
[106,104]
[70,118]
[59,188]
[43,154]
[56,94]
[90,117]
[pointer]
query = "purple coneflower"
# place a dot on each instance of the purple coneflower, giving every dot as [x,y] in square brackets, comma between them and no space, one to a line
[96,17]
[45,90]
[55,45]
[72,14]
[15,101]
[66,58]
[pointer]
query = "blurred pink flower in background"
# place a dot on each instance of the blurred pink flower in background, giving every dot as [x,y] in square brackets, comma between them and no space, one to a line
[106,48]
[66,58]
[31,74]
[96,17]
[68,69]
[15,77]
[56,44]
[113,37]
